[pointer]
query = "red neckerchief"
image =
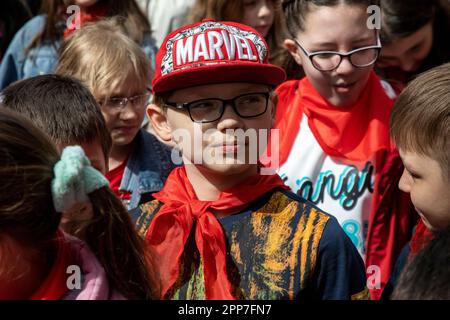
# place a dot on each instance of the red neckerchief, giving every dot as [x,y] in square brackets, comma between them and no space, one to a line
[55,286]
[420,239]
[90,14]
[172,225]
[114,177]
[354,133]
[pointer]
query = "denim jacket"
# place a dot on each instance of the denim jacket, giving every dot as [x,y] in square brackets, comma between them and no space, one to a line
[147,169]
[43,59]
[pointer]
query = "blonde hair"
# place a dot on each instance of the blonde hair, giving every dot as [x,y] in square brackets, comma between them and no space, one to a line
[101,56]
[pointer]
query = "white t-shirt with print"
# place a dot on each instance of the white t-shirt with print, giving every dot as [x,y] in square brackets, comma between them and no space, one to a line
[340,189]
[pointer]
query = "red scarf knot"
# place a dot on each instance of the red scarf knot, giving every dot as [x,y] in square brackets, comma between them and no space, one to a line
[354,133]
[172,225]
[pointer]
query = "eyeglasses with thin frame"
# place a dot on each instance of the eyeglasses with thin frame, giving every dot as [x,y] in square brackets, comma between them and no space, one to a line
[249,105]
[330,60]
[117,104]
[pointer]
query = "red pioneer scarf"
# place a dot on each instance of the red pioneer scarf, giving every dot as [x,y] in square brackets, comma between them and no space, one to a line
[90,14]
[172,225]
[55,286]
[420,239]
[354,133]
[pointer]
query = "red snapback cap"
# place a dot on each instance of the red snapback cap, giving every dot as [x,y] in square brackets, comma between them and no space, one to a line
[212,52]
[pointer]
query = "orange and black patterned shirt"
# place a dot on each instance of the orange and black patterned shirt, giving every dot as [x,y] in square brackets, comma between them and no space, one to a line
[281,247]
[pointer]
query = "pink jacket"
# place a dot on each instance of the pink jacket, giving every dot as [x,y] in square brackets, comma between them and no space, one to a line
[94,282]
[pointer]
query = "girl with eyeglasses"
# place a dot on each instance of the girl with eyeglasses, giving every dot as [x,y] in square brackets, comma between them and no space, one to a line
[118,74]
[334,128]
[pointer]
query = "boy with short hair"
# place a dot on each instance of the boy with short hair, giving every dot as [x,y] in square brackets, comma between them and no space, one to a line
[219,228]
[420,127]
[66,111]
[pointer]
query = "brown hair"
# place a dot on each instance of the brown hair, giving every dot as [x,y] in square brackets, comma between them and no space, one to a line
[401,19]
[420,119]
[27,158]
[135,22]
[233,10]
[61,107]
[101,56]
[296,10]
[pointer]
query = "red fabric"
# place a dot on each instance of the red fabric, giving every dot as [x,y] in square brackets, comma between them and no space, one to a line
[182,211]
[288,126]
[55,286]
[392,217]
[391,220]
[114,177]
[354,133]
[420,239]
[90,14]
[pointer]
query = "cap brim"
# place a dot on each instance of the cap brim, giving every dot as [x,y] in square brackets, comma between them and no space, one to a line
[220,73]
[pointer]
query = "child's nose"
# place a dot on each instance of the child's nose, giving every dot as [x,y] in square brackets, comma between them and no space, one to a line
[408,65]
[128,112]
[345,67]
[404,183]
[265,9]
[230,119]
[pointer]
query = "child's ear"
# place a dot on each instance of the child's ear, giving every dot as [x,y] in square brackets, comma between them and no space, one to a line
[158,119]
[292,47]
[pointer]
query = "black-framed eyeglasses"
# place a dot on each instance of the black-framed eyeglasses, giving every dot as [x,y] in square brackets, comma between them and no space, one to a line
[330,60]
[247,105]
[117,104]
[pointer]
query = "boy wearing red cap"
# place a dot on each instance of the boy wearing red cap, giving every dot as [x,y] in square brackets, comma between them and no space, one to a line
[222,228]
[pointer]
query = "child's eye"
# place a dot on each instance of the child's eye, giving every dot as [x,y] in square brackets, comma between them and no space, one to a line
[114,102]
[204,104]
[413,175]
[415,49]
[256,98]
[250,2]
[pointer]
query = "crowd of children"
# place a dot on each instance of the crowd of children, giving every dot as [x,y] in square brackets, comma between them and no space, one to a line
[268,150]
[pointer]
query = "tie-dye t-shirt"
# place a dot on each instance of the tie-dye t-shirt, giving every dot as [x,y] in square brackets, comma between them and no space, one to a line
[281,247]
